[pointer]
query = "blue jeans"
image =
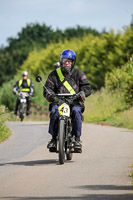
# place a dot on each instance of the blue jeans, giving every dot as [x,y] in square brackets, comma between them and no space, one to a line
[76,116]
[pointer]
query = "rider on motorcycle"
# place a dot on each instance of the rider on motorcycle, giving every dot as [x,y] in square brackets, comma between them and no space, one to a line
[23,85]
[67,79]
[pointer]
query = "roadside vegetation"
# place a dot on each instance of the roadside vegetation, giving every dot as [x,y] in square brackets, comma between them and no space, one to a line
[106,58]
[131,175]
[112,104]
[4,131]
[104,107]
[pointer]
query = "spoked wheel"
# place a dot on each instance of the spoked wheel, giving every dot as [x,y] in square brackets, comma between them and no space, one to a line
[21,112]
[21,118]
[61,142]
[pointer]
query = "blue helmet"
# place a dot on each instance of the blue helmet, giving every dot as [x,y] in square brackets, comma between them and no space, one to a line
[68,53]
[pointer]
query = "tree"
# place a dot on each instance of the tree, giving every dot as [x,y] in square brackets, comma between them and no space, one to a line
[33,36]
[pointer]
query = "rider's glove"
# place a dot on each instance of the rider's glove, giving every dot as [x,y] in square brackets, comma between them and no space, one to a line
[82,96]
[15,92]
[50,97]
[31,94]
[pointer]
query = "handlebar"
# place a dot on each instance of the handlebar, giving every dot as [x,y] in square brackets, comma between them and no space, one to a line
[67,95]
[23,94]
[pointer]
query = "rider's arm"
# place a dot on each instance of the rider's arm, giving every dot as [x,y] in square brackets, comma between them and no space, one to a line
[31,88]
[84,84]
[15,88]
[50,85]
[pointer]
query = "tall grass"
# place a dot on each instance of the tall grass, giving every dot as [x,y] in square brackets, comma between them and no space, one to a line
[4,131]
[108,108]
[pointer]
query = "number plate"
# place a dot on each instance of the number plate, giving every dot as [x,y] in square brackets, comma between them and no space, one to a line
[64,110]
[23,100]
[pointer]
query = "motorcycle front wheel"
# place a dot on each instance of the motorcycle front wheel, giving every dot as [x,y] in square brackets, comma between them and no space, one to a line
[21,111]
[61,142]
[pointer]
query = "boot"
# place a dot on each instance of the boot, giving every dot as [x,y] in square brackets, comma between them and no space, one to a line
[52,143]
[78,145]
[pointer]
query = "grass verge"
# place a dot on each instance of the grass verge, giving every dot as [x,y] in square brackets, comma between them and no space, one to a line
[131,175]
[4,130]
[103,107]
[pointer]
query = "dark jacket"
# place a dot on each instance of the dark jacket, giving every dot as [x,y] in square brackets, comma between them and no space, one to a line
[77,79]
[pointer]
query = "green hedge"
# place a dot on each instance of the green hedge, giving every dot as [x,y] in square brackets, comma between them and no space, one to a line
[96,55]
[122,79]
[4,131]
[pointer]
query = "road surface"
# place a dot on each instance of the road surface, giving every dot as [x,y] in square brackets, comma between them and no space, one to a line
[29,171]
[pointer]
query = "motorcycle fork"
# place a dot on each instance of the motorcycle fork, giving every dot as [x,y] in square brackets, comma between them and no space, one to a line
[66,133]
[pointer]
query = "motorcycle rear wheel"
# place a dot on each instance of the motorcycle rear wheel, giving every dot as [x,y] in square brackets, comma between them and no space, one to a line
[69,156]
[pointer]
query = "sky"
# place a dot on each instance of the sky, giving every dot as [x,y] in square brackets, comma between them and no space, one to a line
[97,14]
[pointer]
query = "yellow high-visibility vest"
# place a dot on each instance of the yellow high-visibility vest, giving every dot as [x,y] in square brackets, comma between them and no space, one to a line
[65,83]
[24,89]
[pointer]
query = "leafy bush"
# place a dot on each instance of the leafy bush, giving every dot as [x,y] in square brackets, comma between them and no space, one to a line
[122,80]
[38,97]
[4,131]
[96,55]
[33,36]
[6,95]
[8,99]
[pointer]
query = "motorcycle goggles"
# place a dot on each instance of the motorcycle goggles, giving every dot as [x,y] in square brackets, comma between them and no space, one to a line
[66,60]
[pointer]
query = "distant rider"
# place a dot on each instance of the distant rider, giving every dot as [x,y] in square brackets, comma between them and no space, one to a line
[24,85]
[57,65]
[78,82]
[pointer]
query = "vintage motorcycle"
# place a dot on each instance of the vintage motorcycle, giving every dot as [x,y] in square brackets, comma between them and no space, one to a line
[23,103]
[64,140]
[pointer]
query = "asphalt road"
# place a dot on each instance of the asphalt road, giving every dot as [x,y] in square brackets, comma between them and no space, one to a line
[28,171]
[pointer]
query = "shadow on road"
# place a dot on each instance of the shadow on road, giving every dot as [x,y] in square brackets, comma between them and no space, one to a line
[107,194]
[32,162]
[105,187]
[88,197]
[31,124]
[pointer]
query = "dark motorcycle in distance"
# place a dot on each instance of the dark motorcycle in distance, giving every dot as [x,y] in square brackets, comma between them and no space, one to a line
[64,140]
[23,103]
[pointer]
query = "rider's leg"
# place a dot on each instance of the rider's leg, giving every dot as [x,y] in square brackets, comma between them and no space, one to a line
[28,105]
[53,125]
[76,113]
[16,106]
[76,120]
